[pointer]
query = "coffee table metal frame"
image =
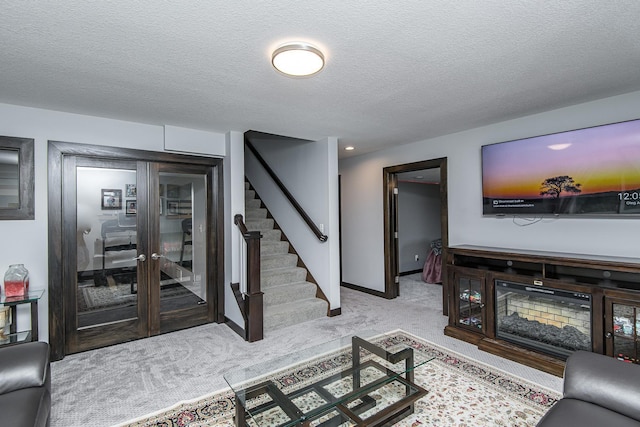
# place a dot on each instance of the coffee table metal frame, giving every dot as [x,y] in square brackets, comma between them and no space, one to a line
[387,416]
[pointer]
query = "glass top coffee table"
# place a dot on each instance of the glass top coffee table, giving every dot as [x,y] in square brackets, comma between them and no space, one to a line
[366,379]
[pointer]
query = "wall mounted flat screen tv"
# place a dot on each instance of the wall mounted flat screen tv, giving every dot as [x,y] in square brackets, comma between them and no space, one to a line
[592,171]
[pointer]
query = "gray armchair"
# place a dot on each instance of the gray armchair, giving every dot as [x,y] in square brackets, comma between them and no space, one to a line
[25,385]
[598,391]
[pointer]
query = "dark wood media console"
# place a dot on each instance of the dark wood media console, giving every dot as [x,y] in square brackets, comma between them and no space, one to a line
[537,307]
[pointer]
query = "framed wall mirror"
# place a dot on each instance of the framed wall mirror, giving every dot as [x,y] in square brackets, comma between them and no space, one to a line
[16,178]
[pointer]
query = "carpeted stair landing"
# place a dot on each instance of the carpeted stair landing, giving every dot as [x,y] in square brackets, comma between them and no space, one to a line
[289,298]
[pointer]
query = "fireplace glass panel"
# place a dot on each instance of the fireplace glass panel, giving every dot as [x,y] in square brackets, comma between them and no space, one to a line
[549,320]
[626,321]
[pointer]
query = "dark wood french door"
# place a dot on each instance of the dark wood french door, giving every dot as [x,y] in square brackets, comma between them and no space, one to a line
[139,245]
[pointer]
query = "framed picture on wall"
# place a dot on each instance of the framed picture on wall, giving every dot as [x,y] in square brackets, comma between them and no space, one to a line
[131,190]
[111,199]
[173,207]
[131,207]
[179,208]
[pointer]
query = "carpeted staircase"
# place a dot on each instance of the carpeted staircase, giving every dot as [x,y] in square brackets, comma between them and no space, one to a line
[288,298]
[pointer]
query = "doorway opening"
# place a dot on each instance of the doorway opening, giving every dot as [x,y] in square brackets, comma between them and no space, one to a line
[434,170]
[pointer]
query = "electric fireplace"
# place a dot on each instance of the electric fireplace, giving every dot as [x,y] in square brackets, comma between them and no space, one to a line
[553,321]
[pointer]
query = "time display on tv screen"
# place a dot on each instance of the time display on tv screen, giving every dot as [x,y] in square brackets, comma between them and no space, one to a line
[593,171]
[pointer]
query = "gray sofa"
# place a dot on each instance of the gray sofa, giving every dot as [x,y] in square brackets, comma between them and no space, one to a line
[25,385]
[598,391]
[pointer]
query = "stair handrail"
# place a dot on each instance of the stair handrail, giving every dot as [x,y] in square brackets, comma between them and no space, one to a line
[252,304]
[314,228]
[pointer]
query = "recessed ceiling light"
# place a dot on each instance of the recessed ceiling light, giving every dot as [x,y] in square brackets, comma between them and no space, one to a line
[297,59]
[349,148]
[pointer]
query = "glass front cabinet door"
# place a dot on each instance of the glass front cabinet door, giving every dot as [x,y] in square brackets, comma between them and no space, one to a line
[468,298]
[622,328]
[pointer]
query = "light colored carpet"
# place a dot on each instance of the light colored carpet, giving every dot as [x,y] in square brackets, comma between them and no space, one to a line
[112,385]
[461,392]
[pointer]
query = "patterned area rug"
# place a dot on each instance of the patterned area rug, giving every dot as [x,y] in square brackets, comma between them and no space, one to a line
[462,393]
[112,295]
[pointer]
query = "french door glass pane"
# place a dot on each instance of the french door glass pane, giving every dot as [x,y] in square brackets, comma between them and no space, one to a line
[182,240]
[106,246]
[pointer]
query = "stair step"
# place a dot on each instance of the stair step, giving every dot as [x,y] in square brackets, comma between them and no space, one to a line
[272,248]
[282,315]
[252,204]
[274,295]
[271,235]
[259,224]
[254,213]
[268,262]
[280,276]
[249,194]
[246,185]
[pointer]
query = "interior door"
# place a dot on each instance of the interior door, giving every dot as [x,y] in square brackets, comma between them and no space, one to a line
[181,273]
[109,285]
[142,233]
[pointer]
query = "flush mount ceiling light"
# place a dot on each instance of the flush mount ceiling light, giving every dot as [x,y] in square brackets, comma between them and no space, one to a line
[297,59]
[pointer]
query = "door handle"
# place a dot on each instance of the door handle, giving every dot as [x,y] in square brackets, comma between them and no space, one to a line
[141,257]
[155,256]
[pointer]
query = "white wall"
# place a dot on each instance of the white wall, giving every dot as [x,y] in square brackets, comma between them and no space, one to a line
[234,204]
[26,241]
[309,170]
[185,140]
[362,194]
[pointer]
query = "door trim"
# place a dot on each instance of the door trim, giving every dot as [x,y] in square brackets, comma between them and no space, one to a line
[61,265]
[391,252]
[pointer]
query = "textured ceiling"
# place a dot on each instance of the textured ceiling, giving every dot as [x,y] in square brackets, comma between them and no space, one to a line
[396,72]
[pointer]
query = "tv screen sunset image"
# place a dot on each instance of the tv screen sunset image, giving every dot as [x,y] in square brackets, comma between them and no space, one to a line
[594,170]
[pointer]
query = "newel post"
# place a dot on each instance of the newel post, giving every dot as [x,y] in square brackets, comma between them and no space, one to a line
[253,300]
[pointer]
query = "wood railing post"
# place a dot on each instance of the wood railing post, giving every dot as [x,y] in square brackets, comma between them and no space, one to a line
[253,301]
[251,310]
